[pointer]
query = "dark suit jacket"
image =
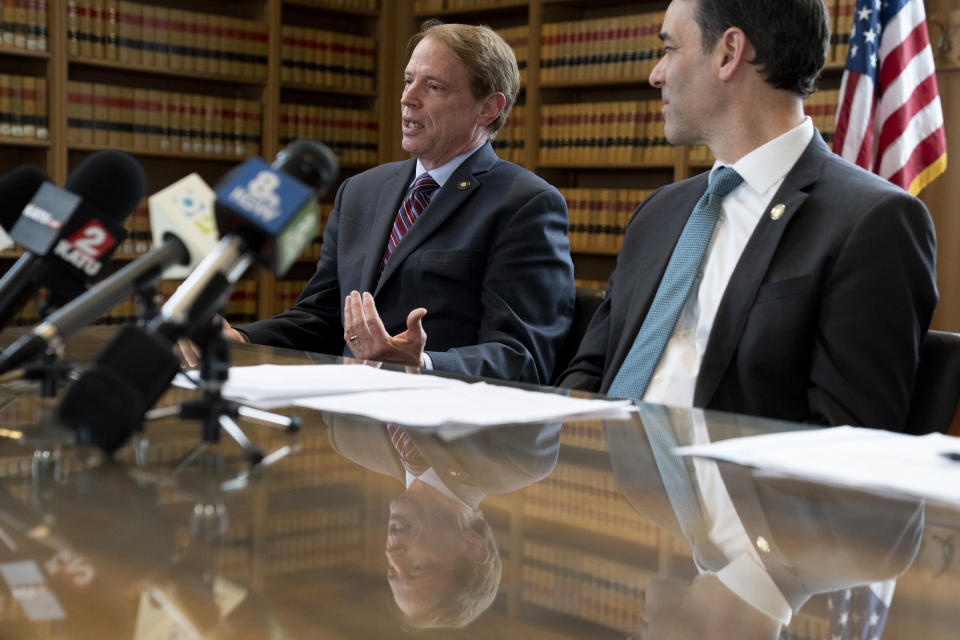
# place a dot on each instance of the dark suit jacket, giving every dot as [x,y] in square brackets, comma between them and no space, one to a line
[824,314]
[489,259]
[817,538]
[494,461]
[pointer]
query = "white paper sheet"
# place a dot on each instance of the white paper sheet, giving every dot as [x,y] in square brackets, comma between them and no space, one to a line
[281,384]
[892,463]
[468,406]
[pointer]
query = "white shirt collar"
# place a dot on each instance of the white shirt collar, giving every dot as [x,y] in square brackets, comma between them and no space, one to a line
[770,162]
[442,173]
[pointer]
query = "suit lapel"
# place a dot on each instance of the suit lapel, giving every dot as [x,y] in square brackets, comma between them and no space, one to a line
[752,268]
[445,202]
[391,195]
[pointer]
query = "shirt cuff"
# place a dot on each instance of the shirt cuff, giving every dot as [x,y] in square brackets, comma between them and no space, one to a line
[427,362]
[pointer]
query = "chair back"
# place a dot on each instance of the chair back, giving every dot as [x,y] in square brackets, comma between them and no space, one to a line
[587,301]
[936,391]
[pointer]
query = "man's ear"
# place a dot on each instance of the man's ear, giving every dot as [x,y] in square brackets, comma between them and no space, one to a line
[733,50]
[477,550]
[493,104]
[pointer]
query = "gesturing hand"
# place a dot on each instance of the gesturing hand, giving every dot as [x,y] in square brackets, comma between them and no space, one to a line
[368,339]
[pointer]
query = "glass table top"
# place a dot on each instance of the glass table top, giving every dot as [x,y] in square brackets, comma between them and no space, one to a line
[585,529]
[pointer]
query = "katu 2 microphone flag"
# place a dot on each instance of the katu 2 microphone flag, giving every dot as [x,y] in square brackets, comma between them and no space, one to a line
[889,119]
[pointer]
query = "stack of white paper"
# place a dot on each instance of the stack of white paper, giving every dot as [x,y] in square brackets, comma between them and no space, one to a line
[892,463]
[411,400]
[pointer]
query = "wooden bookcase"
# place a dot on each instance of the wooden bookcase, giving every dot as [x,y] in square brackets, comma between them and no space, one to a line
[60,67]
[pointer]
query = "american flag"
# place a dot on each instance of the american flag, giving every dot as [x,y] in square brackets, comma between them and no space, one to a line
[859,613]
[889,120]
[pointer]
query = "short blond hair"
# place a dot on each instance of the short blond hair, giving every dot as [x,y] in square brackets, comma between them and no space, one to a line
[490,61]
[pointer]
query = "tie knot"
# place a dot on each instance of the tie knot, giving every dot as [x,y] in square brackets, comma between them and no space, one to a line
[723,181]
[425,184]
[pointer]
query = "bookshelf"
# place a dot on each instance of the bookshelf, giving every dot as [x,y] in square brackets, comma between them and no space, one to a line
[192,85]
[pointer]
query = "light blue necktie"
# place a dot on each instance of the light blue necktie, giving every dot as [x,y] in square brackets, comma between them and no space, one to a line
[634,375]
[678,477]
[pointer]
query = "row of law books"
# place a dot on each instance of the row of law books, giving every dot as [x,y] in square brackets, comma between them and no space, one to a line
[353,134]
[428,6]
[822,109]
[23,107]
[584,585]
[509,143]
[23,25]
[142,120]
[519,40]
[620,47]
[598,217]
[162,38]
[349,5]
[139,238]
[327,58]
[580,497]
[843,18]
[607,132]
[585,434]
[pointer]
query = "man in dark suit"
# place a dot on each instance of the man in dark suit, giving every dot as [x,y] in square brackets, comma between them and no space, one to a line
[482,282]
[809,298]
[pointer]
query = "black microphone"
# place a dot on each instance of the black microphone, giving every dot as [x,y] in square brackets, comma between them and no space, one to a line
[182,218]
[69,234]
[17,187]
[263,214]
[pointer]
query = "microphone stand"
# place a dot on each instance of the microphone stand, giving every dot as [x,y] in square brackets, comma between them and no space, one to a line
[215,412]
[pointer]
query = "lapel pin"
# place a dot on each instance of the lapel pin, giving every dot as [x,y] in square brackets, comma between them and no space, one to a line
[777,212]
[463,185]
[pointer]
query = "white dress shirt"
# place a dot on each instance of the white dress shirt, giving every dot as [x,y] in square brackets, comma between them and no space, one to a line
[440,175]
[763,171]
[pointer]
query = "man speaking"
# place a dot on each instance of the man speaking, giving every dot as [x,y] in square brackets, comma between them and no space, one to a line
[454,259]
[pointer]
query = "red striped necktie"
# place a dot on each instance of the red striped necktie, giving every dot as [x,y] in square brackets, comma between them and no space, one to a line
[410,455]
[410,209]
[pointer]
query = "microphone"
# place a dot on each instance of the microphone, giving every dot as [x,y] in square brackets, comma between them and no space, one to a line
[266,213]
[16,188]
[69,234]
[182,219]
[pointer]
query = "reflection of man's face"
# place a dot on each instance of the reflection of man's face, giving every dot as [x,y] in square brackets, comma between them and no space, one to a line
[700,609]
[425,544]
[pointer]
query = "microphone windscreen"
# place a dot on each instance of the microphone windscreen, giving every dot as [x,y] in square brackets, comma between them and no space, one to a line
[309,161]
[16,189]
[110,180]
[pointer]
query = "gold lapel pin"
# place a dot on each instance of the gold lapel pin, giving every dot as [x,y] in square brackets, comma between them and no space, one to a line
[463,185]
[777,212]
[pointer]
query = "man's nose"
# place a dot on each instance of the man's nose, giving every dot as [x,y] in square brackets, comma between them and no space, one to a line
[395,549]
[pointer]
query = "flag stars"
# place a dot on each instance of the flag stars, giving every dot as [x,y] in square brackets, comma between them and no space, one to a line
[873,59]
[874,619]
[853,50]
[870,37]
[864,14]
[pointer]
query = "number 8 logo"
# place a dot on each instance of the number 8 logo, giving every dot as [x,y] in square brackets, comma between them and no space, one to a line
[264,187]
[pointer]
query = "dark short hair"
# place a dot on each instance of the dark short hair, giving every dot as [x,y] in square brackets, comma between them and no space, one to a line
[490,61]
[790,36]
